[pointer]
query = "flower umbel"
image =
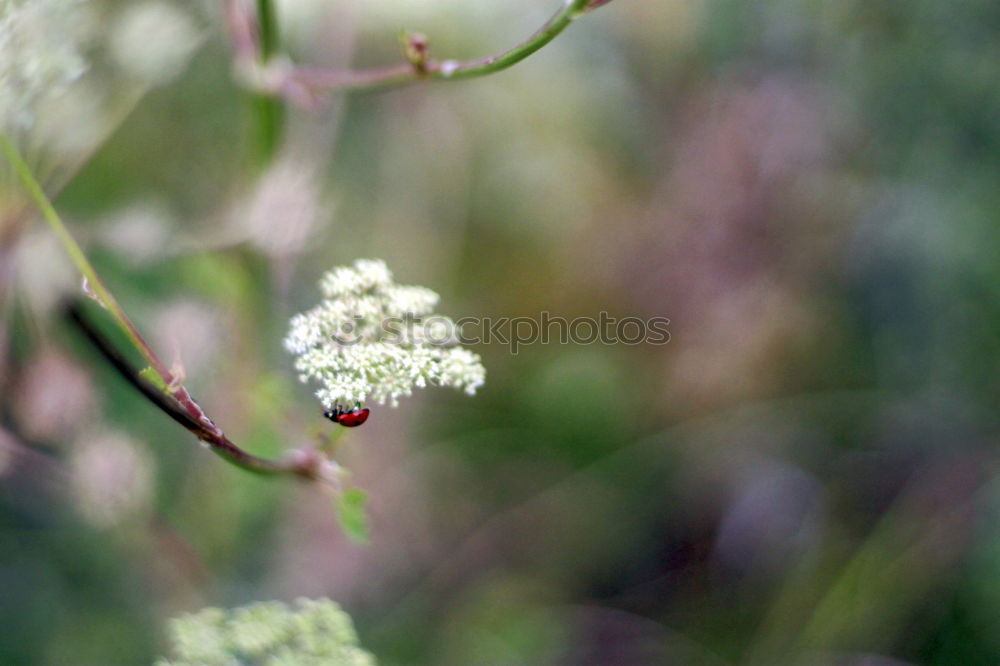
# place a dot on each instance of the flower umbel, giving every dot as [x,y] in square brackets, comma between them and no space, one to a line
[371,339]
[40,56]
[309,632]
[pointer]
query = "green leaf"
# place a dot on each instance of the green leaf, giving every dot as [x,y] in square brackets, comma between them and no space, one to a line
[154,378]
[352,515]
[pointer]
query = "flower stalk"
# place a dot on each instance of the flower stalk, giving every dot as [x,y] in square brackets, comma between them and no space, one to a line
[157,383]
[268,108]
[317,79]
[93,282]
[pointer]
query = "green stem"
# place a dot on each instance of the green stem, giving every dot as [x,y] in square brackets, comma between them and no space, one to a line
[83,264]
[168,404]
[446,70]
[496,63]
[161,376]
[268,109]
[173,400]
[268,25]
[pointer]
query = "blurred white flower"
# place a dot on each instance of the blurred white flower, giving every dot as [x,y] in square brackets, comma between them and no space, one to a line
[40,56]
[272,632]
[112,478]
[139,232]
[189,331]
[371,339]
[53,397]
[73,127]
[288,192]
[153,41]
[42,280]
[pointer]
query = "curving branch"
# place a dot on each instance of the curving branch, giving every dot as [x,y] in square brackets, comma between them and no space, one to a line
[305,464]
[95,287]
[158,384]
[300,84]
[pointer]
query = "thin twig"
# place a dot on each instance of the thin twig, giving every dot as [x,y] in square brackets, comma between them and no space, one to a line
[291,79]
[93,282]
[164,391]
[303,464]
[167,403]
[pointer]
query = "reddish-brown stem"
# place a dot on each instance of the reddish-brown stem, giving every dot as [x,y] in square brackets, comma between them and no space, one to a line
[187,412]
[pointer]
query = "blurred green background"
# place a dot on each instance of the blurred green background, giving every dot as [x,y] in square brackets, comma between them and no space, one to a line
[806,474]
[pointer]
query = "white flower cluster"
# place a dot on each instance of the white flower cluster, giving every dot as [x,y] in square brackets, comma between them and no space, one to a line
[312,633]
[39,55]
[371,339]
[153,40]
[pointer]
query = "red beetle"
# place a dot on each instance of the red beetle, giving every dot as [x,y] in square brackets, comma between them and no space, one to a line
[349,418]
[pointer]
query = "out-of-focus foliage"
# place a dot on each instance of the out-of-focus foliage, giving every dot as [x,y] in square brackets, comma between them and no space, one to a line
[805,474]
